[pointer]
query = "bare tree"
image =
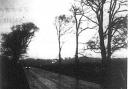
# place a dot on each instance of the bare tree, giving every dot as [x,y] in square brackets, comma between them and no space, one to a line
[15,43]
[79,21]
[115,24]
[110,35]
[76,12]
[118,39]
[63,26]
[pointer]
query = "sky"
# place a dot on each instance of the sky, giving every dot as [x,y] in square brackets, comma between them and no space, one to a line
[42,13]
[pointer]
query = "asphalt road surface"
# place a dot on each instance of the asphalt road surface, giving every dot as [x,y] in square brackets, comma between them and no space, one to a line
[41,79]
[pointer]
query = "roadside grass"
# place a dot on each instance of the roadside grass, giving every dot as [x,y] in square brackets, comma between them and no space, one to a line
[90,70]
[13,76]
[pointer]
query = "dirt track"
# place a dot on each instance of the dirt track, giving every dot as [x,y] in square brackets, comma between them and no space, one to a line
[41,79]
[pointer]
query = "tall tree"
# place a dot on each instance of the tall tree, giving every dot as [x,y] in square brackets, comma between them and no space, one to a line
[118,38]
[79,21]
[116,22]
[63,25]
[109,36]
[76,12]
[14,44]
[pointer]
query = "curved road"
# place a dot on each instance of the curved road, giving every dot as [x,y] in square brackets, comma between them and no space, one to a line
[41,79]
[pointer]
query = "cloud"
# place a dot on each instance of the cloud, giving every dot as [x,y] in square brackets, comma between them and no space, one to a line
[7,3]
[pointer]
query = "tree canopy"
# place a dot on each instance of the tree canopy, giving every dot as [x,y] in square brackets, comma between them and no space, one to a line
[14,44]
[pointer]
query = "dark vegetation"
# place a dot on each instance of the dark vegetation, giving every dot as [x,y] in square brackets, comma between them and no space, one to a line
[90,69]
[13,47]
[13,76]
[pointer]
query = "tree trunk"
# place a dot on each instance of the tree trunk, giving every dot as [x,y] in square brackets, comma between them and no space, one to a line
[101,35]
[108,62]
[103,55]
[59,53]
[109,44]
[76,53]
[15,59]
[108,65]
[102,45]
[76,56]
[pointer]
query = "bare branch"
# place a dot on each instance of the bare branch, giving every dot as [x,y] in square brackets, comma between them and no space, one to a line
[91,5]
[86,29]
[79,22]
[118,10]
[63,33]
[90,19]
[94,50]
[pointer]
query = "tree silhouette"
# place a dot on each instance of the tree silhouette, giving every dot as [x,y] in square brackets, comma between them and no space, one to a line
[14,44]
[63,26]
[118,40]
[114,24]
[109,36]
[79,21]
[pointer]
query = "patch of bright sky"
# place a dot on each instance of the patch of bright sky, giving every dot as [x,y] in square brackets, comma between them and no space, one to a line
[42,13]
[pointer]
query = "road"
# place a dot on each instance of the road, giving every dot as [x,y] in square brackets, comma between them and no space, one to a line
[41,79]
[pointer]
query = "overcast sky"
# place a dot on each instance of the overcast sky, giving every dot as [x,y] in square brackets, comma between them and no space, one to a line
[42,13]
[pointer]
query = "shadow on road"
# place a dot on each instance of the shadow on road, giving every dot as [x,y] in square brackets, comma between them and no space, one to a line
[37,76]
[59,81]
[61,84]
